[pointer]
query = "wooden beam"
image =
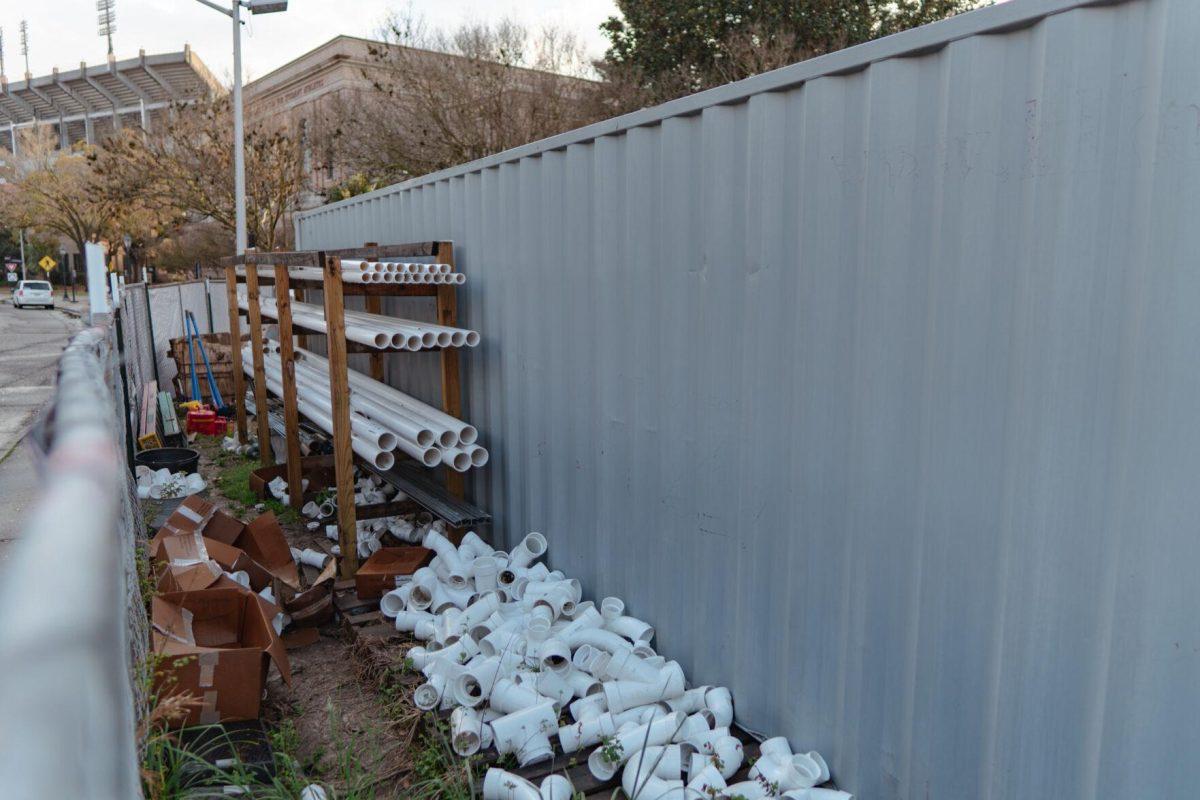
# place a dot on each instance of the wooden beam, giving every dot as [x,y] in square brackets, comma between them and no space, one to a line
[339,398]
[301,338]
[291,412]
[260,379]
[447,314]
[235,354]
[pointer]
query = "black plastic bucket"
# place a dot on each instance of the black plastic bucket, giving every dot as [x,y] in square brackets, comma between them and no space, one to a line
[176,459]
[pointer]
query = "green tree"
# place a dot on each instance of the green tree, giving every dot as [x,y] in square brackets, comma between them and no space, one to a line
[667,48]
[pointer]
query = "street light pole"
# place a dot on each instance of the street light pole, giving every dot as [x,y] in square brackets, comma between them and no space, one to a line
[239,144]
[234,12]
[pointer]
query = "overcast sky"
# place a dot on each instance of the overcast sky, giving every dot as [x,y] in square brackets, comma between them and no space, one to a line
[63,32]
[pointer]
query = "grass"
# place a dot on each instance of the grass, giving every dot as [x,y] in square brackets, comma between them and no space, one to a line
[173,770]
[233,481]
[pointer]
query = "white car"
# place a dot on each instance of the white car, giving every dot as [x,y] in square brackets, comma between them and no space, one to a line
[33,293]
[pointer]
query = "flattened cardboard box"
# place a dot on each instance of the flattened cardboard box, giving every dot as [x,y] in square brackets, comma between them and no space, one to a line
[377,575]
[217,646]
[196,521]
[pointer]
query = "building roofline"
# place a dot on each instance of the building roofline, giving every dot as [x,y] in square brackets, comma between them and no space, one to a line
[994,19]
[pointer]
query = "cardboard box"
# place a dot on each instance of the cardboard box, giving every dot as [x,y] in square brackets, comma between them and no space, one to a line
[218,646]
[377,575]
[198,531]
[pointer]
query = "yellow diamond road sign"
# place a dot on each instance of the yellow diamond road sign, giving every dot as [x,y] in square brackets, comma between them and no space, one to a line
[47,263]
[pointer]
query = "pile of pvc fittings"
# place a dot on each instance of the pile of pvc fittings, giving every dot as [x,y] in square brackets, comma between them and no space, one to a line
[162,484]
[508,645]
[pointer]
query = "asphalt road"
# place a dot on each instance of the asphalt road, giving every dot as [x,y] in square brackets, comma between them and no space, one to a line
[31,341]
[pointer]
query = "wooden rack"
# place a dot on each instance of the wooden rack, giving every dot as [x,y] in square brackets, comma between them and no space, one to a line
[333,292]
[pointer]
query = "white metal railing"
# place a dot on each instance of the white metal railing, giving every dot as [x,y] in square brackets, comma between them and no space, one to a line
[67,720]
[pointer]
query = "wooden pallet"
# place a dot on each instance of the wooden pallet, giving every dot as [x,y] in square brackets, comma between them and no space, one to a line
[360,617]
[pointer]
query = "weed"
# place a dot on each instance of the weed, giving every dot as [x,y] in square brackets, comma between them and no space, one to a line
[440,773]
[611,750]
[234,482]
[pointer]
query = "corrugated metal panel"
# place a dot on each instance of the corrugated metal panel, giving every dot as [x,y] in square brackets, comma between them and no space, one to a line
[872,382]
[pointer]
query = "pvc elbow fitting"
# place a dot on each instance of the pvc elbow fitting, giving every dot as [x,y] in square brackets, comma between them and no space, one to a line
[555,655]
[428,695]
[474,546]
[719,700]
[468,732]
[586,733]
[531,548]
[654,773]
[707,782]
[625,665]
[500,784]
[556,787]
[604,762]
[448,553]
[631,628]
[392,603]
[589,707]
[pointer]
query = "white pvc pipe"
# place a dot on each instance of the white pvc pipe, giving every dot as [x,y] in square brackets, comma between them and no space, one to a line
[369,451]
[313,558]
[466,433]
[318,402]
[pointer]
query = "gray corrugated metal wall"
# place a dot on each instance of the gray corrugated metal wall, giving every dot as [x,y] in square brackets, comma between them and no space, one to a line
[873,383]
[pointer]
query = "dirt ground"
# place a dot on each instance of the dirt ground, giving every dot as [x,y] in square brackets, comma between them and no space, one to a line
[352,732]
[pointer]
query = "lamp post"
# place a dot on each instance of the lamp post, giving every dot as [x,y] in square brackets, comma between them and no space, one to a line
[234,12]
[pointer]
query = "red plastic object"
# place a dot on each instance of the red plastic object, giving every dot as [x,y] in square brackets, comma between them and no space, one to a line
[201,420]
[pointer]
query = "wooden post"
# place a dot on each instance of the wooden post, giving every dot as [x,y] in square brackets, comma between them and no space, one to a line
[374,305]
[301,338]
[260,378]
[291,413]
[339,397]
[235,355]
[447,314]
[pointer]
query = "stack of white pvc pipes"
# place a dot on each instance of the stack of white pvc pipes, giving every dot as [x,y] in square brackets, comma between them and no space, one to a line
[386,271]
[509,645]
[370,441]
[373,330]
[426,433]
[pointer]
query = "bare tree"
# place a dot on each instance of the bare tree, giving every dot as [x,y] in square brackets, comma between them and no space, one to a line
[189,164]
[443,98]
[62,193]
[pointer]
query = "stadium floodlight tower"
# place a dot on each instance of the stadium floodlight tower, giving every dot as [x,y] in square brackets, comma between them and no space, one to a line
[234,12]
[107,20]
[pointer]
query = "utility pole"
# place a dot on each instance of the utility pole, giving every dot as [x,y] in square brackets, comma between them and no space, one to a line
[2,72]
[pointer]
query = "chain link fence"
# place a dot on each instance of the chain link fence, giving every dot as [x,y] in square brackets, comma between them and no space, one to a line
[73,628]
